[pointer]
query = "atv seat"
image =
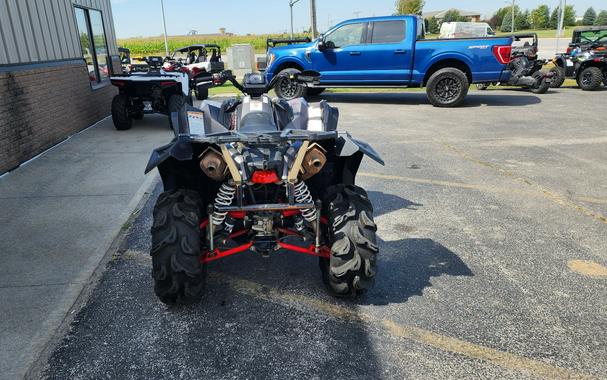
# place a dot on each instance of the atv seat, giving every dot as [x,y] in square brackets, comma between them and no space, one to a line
[257,122]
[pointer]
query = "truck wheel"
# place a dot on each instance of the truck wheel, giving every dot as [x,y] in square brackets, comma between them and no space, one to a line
[120,112]
[176,101]
[315,91]
[447,87]
[541,86]
[201,94]
[558,77]
[590,79]
[178,274]
[288,89]
[351,269]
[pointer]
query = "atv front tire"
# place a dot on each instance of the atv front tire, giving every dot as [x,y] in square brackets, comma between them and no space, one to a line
[558,77]
[447,87]
[121,113]
[351,269]
[287,88]
[179,277]
[541,86]
[176,101]
[590,78]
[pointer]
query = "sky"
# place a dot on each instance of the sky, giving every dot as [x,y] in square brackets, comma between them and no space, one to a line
[134,18]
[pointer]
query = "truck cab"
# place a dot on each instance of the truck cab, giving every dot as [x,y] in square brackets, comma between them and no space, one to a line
[388,51]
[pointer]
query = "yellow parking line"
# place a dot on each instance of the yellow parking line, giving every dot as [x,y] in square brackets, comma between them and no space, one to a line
[544,192]
[462,185]
[415,334]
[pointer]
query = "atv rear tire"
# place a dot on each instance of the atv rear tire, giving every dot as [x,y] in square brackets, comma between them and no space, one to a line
[542,85]
[179,277]
[288,89]
[559,77]
[176,101]
[447,87]
[121,113]
[590,79]
[201,94]
[351,269]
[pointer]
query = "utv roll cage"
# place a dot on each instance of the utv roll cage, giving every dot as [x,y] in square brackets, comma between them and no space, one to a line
[200,53]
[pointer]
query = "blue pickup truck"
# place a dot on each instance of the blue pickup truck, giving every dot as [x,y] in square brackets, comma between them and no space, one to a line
[392,52]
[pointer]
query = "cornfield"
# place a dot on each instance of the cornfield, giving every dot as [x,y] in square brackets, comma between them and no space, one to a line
[141,46]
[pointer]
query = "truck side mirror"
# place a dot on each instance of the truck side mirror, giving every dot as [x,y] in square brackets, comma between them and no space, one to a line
[321,45]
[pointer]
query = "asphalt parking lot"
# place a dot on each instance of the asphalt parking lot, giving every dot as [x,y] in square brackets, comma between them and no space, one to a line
[492,225]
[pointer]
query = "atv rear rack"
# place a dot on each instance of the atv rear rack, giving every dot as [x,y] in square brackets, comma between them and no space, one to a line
[265,207]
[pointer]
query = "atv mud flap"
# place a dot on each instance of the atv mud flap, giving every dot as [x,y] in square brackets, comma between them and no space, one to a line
[180,149]
[347,146]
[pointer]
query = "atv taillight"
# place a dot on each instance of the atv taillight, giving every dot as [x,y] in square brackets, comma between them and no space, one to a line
[502,53]
[569,50]
[264,177]
[167,83]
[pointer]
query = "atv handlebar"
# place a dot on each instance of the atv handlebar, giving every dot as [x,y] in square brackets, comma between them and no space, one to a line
[256,87]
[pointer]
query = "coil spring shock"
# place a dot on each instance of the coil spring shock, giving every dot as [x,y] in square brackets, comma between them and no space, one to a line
[302,195]
[224,197]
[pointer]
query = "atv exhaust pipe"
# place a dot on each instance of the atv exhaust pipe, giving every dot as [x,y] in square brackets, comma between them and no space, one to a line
[313,161]
[213,164]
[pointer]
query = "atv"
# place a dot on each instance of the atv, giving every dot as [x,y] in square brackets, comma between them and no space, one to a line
[525,66]
[163,88]
[264,176]
[197,59]
[585,59]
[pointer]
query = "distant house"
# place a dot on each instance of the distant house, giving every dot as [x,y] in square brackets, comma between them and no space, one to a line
[439,15]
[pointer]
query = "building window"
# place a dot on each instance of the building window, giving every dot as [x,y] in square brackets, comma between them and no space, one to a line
[93,44]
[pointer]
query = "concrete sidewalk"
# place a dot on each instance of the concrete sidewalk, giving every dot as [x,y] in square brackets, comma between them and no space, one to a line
[60,213]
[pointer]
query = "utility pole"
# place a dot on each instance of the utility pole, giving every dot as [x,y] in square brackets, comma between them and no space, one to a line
[291,3]
[166,41]
[512,12]
[559,27]
[313,19]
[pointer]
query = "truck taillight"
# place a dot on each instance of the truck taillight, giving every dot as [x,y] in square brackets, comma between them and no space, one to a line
[502,53]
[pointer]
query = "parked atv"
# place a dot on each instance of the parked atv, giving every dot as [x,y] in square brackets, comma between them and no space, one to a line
[163,88]
[525,66]
[200,59]
[261,175]
[585,59]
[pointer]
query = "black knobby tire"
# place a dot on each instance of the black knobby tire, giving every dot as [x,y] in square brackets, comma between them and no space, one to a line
[201,93]
[542,85]
[605,78]
[179,277]
[176,102]
[288,89]
[352,233]
[315,91]
[590,79]
[121,112]
[447,87]
[558,77]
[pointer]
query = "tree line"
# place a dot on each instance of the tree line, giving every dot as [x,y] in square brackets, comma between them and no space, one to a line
[541,17]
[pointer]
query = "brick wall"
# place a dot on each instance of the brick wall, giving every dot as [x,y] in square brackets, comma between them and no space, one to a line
[42,106]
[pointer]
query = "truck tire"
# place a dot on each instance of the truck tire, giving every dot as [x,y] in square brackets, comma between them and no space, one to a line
[288,89]
[590,79]
[176,101]
[559,77]
[201,94]
[179,277]
[447,87]
[542,86]
[351,269]
[121,113]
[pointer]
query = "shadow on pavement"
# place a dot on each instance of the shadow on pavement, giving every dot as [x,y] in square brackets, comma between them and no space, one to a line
[474,99]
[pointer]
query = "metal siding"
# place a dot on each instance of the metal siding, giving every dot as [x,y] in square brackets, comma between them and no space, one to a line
[6,29]
[43,30]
